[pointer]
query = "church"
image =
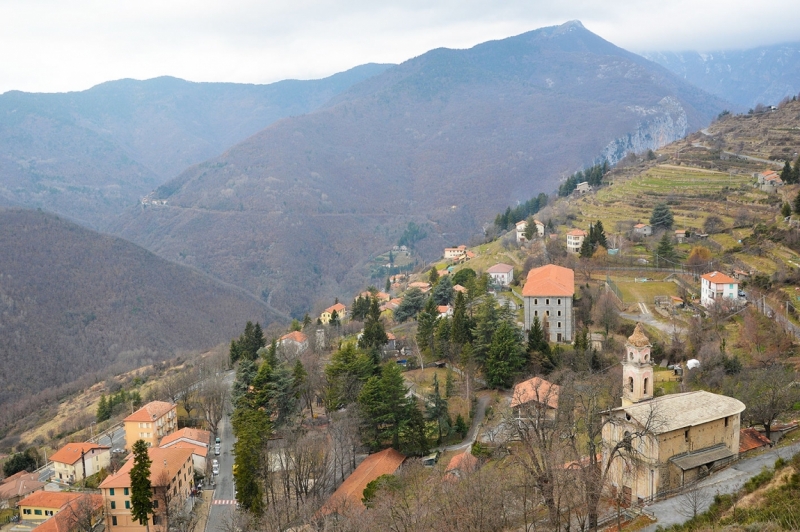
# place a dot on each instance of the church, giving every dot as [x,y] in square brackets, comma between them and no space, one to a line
[668,440]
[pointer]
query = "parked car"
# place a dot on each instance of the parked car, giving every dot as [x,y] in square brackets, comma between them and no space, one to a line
[216,449]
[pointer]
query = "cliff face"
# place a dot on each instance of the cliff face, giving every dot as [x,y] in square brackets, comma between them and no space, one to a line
[660,125]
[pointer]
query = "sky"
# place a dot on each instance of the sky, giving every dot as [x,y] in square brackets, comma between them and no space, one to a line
[66,45]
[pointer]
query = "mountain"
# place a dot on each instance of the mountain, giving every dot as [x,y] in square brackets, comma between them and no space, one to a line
[75,304]
[90,154]
[446,139]
[746,78]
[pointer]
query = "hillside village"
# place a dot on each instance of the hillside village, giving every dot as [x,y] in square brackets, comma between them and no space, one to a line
[613,347]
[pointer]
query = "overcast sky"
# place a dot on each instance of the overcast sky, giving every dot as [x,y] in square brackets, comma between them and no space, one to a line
[59,45]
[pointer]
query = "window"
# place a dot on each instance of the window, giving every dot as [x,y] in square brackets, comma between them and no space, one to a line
[155,504]
[48,512]
[125,491]
[113,505]
[547,301]
[536,313]
[559,324]
[535,301]
[726,421]
[127,505]
[559,301]
[114,520]
[155,519]
[111,492]
[559,313]
[630,384]
[37,512]
[547,313]
[26,511]
[686,435]
[644,388]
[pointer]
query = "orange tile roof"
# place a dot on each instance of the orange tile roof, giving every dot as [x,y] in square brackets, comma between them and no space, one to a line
[639,226]
[500,268]
[49,499]
[459,288]
[199,450]
[465,462]
[718,278]
[151,411]
[198,435]
[71,452]
[19,485]
[338,307]
[294,336]
[419,284]
[577,232]
[750,439]
[536,389]
[523,222]
[550,280]
[64,520]
[175,458]
[443,309]
[350,493]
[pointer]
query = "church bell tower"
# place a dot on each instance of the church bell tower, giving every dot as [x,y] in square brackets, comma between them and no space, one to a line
[637,369]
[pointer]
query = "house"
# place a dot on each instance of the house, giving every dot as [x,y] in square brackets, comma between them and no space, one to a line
[18,486]
[421,285]
[445,311]
[150,423]
[521,227]
[455,253]
[575,240]
[295,341]
[460,465]
[327,314]
[391,342]
[199,441]
[347,499]
[539,228]
[77,461]
[547,294]
[717,287]
[768,180]
[597,341]
[535,399]
[501,274]
[680,235]
[172,477]
[382,297]
[582,188]
[77,515]
[459,288]
[43,505]
[666,441]
[642,230]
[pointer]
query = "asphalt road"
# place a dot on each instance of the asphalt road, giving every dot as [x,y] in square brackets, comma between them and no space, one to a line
[668,512]
[223,502]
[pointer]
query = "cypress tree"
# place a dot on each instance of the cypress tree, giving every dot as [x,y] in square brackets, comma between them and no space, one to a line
[460,330]
[600,235]
[787,174]
[665,253]
[141,489]
[426,325]
[103,409]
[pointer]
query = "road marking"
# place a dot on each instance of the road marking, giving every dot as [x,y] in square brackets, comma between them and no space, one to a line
[644,308]
[224,501]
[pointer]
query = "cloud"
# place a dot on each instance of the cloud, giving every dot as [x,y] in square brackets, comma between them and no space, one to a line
[74,44]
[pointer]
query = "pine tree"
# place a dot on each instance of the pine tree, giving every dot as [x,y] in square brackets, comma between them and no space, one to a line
[786,210]
[661,217]
[461,426]
[486,322]
[433,276]
[374,335]
[442,293]
[426,325]
[665,253]
[586,249]
[141,489]
[535,336]
[460,330]
[252,429]
[504,359]
[335,321]
[787,174]
[306,320]
[600,235]
[272,353]
[388,286]
[385,408]
[103,409]
[437,409]
[449,384]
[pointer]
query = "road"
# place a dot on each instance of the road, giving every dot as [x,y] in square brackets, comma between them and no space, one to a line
[472,435]
[114,439]
[727,481]
[223,502]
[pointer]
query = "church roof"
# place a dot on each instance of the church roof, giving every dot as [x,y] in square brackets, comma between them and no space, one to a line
[682,410]
[638,338]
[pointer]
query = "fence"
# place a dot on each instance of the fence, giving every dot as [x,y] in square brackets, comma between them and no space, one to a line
[612,286]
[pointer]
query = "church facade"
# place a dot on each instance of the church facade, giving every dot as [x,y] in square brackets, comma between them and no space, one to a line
[664,441]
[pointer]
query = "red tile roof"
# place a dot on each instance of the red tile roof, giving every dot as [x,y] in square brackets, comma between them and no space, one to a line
[198,435]
[151,411]
[174,458]
[71,452]
[350,493]
[459,288]
[718,278]
[550,280]
[20,485]
[49,499]
[199,450]
[64,520]
[338,307]
[294,336]
[577,232]
[750,439]
[536,389]
[464,462]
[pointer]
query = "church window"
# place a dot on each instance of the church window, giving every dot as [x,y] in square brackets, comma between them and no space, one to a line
[644,388]
[630,384]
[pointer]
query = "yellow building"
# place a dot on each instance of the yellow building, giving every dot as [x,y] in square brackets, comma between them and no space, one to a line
[664,442]
[61,511]
[76,461]
[327,314]
[172,478]
[150,423]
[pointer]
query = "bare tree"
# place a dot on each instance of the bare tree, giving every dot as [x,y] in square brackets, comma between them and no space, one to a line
[213,397]
[606,313]
[768,393]
[81,514]
[693,502]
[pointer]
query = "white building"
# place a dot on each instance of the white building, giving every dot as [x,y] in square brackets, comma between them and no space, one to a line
[643,229]
[501,274]
[716,286]
[547,295]
[521,228]
[539,228]
[575,240]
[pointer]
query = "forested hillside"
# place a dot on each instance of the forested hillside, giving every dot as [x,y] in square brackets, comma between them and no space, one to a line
[77,305]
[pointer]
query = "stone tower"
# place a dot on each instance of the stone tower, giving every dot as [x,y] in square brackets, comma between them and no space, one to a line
[637,369]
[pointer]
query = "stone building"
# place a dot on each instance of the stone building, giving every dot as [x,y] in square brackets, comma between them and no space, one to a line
[547,294]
